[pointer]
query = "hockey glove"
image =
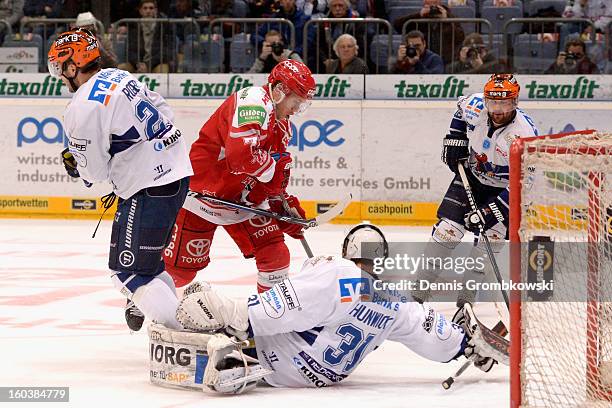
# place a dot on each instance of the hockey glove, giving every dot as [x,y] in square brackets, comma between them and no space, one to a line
[486,216]
[204,309]
[280,180]
[295,210]
[470,348]
[454,149]
[70,164]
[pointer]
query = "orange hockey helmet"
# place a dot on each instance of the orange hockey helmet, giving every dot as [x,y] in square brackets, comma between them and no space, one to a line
[78,46]
[502,86]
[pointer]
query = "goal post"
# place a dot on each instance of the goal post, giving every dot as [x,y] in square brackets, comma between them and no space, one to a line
[561,197]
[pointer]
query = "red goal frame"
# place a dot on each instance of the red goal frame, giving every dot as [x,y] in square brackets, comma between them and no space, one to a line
[592,325]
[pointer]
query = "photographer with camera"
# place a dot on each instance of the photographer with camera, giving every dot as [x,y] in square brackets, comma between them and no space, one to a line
[573,60]
[443,38]
[413,57]
[474,58]
[273,51]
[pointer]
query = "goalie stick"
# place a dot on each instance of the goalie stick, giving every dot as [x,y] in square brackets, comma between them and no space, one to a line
[320,219]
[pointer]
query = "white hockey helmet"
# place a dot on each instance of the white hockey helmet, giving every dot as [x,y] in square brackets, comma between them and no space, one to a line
[352,247]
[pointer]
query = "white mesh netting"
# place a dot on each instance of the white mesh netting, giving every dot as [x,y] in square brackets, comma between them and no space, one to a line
[566,195]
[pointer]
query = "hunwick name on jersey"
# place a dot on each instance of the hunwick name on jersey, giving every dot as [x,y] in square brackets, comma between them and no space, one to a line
[370,317]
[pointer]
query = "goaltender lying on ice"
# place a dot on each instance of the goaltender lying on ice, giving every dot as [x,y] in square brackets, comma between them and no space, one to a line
[310,330]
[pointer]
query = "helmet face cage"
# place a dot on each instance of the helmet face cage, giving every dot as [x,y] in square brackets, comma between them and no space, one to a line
[357,247]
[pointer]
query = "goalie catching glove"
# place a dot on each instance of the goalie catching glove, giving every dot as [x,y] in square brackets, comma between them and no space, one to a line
[476,348]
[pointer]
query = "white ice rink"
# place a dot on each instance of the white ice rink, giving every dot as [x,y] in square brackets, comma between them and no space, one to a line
[61,324]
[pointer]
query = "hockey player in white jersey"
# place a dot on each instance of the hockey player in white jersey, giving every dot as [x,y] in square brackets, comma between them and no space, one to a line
[121,132]
[314,328]
[481,132]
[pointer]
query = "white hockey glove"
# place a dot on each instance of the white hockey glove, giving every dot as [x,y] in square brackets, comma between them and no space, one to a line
[477,349]
[204,309]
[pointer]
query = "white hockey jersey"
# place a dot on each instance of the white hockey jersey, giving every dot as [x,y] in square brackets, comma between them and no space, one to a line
[120,131]
[314,328]
[489,147]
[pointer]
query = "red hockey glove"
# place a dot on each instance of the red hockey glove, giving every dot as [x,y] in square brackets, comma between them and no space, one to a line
[295,210]
[282,171]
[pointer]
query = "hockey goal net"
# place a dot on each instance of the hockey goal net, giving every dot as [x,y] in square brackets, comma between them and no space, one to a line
[561,229]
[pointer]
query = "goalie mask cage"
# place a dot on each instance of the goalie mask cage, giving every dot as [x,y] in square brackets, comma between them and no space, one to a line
[561,348]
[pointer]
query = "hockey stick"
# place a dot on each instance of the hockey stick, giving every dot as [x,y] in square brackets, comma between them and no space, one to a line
[320,219]
[303,239]
[470,195]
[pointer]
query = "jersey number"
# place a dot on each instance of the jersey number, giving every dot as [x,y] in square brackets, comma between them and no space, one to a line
[352,339]
[154,126]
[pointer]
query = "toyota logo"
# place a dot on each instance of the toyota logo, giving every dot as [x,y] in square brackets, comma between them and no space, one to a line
[259,221]
[198,247]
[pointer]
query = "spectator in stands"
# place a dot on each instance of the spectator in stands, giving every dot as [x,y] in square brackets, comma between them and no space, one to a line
[151,44]
[328,32]
[183,9]
[348,62]
[573,60]
[413,57]
[443,38]
[11,11]
[263,8]
[87,20]
[312,7]
[36,9]
[598,11]
[42,8]
[222,8]
[298,18]
[273,51]
[474,58]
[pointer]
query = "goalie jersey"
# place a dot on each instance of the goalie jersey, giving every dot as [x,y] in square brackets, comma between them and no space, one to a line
[120,131]
[316,327]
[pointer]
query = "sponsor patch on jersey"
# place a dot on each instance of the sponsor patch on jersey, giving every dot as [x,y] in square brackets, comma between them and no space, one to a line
[429,320]
[351,287]
[273,303]
[101,90]
[251,114]
[443,329]
[289,294]
[319,369]
[486,144]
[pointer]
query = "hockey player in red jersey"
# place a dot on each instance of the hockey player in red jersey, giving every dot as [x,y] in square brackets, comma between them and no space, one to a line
[241,156]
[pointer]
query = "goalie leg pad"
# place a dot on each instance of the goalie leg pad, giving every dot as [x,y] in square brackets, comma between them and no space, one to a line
[497,238]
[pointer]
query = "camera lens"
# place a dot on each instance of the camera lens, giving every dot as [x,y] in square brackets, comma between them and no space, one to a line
[278,48]
[411,52]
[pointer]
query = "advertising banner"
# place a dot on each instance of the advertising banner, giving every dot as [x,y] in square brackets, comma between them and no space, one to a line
[450,87]
[220,86]
[386,153]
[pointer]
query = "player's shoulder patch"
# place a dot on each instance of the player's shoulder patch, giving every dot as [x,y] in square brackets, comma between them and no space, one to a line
[472,106]
[253,106]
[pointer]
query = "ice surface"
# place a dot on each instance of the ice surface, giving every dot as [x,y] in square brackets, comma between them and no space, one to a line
[61,324]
